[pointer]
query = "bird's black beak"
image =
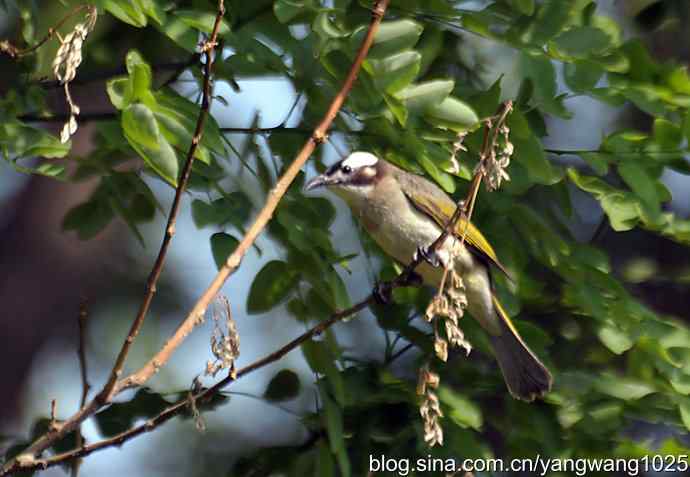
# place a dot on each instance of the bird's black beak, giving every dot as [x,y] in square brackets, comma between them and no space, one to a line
[318,181]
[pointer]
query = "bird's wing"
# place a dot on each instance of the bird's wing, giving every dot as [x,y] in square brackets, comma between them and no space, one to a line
[432,201]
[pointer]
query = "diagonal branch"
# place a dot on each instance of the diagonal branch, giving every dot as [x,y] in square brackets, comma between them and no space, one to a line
[209,46]
[14,52]
[274,197]
[114,385]
[403,279]
[107,393]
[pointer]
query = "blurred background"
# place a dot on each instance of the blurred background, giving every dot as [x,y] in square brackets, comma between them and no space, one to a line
[46,272]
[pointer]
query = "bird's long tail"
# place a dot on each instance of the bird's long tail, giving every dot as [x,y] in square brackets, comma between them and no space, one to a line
[526,377]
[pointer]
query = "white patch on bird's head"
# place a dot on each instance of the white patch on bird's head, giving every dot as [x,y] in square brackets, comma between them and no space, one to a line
[360,159]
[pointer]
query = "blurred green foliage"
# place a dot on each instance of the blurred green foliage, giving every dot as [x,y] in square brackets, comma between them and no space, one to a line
[615,361]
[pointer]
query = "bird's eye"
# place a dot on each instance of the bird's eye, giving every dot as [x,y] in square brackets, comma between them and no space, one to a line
[347,169]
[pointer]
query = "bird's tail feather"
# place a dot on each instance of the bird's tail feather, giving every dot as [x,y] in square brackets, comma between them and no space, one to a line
[526,377]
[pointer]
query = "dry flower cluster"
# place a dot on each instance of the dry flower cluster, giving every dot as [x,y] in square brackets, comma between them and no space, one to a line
[225,346]
[449,303]
[495,161]
[430,408]
[67,60]
[457,147]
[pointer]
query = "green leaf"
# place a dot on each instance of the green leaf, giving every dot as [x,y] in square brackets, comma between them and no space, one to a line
[140,76]
[18,140]
[395,72]
[397,108]
[422,96]
[222,245]
[179,32]
[325,28]
[551,18]
[392,37]
[321,360]
[640,182]
[582,41]
[251,58]
[287,10]
[530,154]
[486,102]
[622,211]
[127,11]
[597,161]
[684,409]
[201,20]
[177,117]
[540,70]
[119,92]
[283,386]
[623,388]
[582,75]
[89,218]
[232,208]
[443,179]
[615,339]
[271,285]
[667,134]
[525,7]
[621,208]
[120,416]
[158,154]
[140,125]
[462,411]
[153,9]
[686,125]
[453,114]
[334,428]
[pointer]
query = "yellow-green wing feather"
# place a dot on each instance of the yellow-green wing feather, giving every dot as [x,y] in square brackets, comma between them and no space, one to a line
[432,201]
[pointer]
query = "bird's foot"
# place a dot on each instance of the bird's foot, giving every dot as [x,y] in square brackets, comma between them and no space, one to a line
[428,255]
[383,293]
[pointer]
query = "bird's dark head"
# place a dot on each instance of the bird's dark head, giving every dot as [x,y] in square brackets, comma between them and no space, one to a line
[357,174]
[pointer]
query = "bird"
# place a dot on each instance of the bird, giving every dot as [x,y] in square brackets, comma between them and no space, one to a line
[405,213]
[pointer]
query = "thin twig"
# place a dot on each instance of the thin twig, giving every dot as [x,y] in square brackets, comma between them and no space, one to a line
[14,52]
[181,405]
[114,386]
[108,391]
[274,197]
[81,352]
[83,371]
[403,279]
[207,95]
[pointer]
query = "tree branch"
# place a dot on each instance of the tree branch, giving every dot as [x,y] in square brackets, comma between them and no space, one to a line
[14,52]
[208,49]
[403,279]
[275,195]
[85,386]
[108,391]
[114,386]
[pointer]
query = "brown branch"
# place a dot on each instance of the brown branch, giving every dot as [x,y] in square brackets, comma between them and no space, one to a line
[83,370]
[181,405]
[14,52]
[274,197]
[81,352]
[403,279]
[108,391]
[208,48]
[114,386]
